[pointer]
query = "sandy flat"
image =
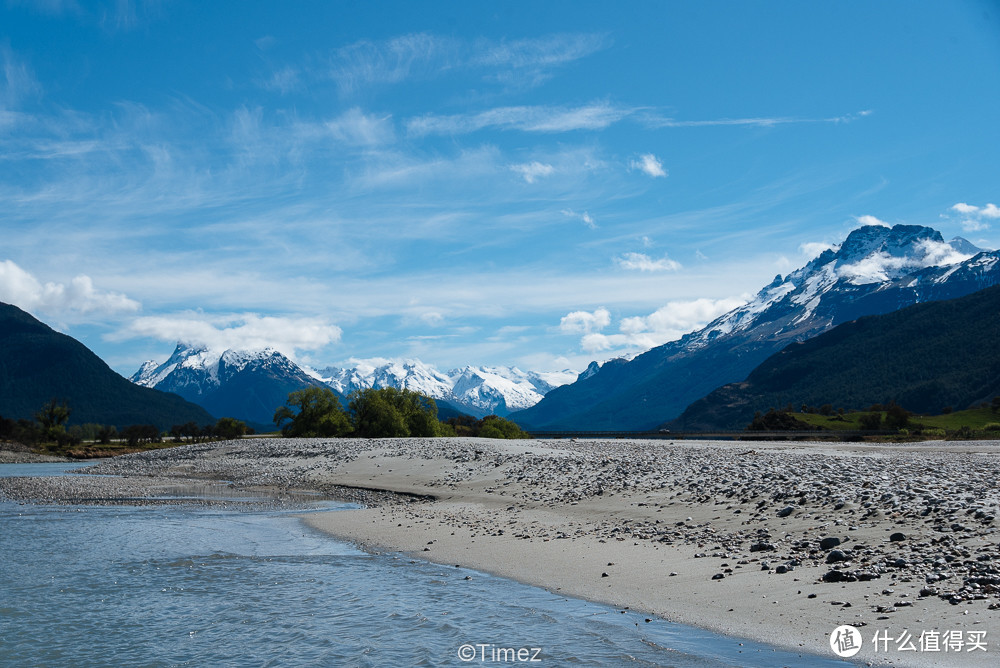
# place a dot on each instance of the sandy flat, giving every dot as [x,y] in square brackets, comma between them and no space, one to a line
[604,547]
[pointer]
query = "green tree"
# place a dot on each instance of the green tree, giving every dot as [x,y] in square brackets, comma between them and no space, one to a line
[319,413]
[494,426]
[870,421]
[230,428]
[896,417]
[389,412]
[106,433]
[52,419]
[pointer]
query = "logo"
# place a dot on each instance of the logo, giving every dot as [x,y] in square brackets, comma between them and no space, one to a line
[845,641]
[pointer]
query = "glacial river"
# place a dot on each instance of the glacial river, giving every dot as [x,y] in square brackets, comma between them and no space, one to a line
[206,586]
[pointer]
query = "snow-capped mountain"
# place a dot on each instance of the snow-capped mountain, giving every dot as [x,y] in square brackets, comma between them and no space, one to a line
[245,384]
[477,390]
[876,270]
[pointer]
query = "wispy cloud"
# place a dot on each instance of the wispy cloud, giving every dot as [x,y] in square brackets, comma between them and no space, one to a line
[652,120]
[283,80]
[595,116]
[18,82]
[532,54]
[524,62]
[391,61]
[649,164]
[642,262]
[110,15]
[64,301]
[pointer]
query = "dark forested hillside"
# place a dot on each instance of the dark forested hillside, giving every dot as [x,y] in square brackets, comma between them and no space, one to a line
[924,357]
[38,364]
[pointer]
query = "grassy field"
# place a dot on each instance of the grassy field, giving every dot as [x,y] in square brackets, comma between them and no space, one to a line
[968,423]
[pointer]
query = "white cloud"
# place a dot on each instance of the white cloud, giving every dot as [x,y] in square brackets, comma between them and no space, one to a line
[813,249]
[669,323]
[432,318]
[584,217]
[584,322]
[249,330]
[962,207]
[975,215]
[80,297]
[649,164]
[871,220]
[642,262]
[530,171]
[970,225]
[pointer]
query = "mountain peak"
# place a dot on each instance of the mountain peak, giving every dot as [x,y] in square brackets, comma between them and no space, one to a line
[899,240]
[875,270]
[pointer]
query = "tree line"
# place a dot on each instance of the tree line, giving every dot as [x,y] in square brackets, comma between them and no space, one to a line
[379,413]
[51,425]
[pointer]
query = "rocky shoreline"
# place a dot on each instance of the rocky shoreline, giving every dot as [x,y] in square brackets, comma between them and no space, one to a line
[789,539]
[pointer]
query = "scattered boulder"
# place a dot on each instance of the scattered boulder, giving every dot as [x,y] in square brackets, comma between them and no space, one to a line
[836,556]
[829,543]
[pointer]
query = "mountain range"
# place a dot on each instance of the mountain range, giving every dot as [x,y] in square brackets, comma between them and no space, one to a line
[924,357]
[38,364]
[875,270]
[251,384]
[477,391]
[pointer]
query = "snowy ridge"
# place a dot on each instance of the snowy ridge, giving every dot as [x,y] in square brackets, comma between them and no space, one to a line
[203,363]
[870,255]
[478,390]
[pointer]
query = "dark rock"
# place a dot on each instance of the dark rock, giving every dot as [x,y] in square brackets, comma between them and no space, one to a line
[786,511]
[896,537]
[835,556]
[829,543]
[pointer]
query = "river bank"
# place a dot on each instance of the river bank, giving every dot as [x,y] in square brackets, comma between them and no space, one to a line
[778,542]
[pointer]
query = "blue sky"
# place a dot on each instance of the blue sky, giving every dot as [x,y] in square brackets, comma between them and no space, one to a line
[536,184]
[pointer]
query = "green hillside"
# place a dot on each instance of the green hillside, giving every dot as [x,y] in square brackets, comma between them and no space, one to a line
[38,364]
[926,358]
